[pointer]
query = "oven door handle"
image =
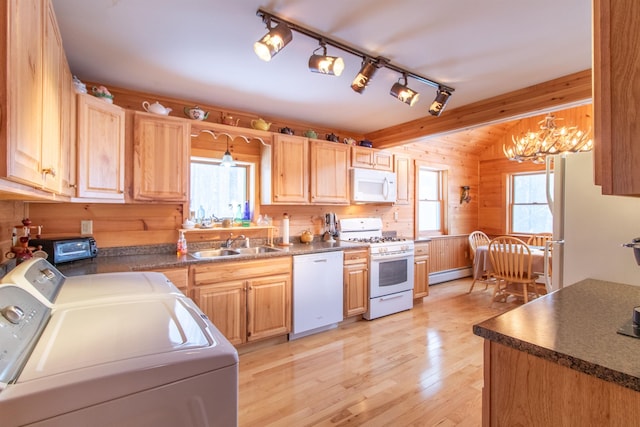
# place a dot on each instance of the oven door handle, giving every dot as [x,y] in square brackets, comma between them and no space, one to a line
[391,257]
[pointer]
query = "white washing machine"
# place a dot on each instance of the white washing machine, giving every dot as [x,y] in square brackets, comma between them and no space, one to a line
[110,354]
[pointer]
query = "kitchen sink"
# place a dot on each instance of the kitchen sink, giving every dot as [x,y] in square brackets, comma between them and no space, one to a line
[214,253]
[257,250]
[222,252]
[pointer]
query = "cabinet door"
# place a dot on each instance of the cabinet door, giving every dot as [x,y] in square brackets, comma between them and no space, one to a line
[403,180]
[290,178]
[268,307]
[383,160]
[421,277]
[24,110]
[362,157]
[161,158]
[225,305]
[329,172]
[100,149]
[68,145]
[616,96]
[356,286]
[52,98]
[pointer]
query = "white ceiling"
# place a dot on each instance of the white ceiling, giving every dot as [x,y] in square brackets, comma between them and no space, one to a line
[202,51]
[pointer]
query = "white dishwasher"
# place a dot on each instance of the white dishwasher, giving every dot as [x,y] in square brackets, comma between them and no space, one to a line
[317,292]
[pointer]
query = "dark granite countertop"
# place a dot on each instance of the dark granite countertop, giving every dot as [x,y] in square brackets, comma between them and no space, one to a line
[131,259]
[576,327]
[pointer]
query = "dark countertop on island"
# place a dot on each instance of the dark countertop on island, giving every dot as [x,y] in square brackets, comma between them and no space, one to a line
[576,327]
[131,259]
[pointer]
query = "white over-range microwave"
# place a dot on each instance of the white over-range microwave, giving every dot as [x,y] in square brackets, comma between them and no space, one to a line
[372,186]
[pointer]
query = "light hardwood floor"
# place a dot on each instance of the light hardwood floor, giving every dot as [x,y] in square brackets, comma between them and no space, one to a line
[421,367]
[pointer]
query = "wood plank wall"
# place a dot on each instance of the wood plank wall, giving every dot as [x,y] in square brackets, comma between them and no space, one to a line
[11,215]
[494,168]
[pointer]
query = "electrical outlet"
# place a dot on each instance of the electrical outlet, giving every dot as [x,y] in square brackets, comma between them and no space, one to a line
[395,215]
[86,227]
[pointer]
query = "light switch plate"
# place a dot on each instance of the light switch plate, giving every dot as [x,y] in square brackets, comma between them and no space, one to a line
[86,227]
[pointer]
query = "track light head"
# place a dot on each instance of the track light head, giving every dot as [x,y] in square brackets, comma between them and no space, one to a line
[324,64]
[367,70]
[404,93]
[438,104]
[273,42]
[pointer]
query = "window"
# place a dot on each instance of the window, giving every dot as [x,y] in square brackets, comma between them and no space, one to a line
[528,208]
[431,201]
[220,191]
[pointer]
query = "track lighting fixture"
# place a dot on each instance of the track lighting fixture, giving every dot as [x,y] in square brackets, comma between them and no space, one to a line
[367,71]
[438,104]
[332,65]
[403,93]
[274,41]
[278,37]
[227,160]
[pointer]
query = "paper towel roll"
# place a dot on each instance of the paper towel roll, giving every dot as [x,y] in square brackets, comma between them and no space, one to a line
[285,229]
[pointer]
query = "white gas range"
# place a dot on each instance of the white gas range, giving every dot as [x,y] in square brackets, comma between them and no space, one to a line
[390,266]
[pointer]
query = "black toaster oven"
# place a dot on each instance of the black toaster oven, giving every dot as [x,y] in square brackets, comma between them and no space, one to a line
[67,249]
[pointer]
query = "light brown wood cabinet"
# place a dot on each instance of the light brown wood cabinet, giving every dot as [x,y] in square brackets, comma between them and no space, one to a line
[31,94]
[285,177]
[371,158]
[522,389]
[403,180]
[356,282]
[68,141]
[329,172]
[179,276]
[161,162]
[421,270]
[616,69]
[100,150]
[246,300]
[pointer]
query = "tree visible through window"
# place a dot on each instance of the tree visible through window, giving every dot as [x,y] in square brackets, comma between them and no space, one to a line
[529,208]
[217,190]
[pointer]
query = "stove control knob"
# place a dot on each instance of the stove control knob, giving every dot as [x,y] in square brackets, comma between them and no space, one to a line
[13,314]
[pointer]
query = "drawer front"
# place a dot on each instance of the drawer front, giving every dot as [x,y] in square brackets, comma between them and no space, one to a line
[356,257]
[421,249]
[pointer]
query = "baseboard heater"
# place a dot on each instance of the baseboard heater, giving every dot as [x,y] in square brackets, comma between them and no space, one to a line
[445,276]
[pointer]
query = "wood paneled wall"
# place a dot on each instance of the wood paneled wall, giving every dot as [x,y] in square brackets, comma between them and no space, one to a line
[11,215]
[494,168]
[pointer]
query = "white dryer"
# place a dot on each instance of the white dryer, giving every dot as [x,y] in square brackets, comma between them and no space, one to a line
[116,355]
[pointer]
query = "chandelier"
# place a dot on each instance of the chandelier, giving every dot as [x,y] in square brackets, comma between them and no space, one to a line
[549,140]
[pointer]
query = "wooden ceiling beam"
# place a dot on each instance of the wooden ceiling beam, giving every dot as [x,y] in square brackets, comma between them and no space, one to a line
[571,90]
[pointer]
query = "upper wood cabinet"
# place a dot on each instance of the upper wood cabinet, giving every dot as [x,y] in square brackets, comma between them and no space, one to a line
[329,172]
[31,94]
[285,177]
[161,147]
[403,180]
[371,158]
[100,149]
[616,96]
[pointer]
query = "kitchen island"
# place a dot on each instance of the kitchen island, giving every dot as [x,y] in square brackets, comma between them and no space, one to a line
[559,360]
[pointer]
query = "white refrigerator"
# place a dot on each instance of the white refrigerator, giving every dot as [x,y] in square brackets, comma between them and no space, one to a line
[589,228]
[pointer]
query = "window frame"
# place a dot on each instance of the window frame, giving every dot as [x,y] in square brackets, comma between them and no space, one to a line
[250,172]
[442,199]
[511,204]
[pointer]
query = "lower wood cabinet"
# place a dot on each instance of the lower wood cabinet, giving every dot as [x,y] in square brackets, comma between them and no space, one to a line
[179,277]
[246,300]
[421,270]
[356,282]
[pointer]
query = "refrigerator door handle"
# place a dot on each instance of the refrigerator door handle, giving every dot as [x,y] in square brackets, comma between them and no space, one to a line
[547,164]
[547,263]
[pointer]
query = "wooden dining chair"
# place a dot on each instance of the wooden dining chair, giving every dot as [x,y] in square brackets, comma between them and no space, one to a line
[538,239]
[511,261]
[478,238]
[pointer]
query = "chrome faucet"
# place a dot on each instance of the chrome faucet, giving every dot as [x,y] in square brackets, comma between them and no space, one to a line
[227,244]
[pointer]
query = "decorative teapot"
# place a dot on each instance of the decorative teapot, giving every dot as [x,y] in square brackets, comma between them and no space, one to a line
[349,141]
[286,131]
[196,113]
[229,120]
[311,134]
[156,108]
[260,124]
[306,237]
[332,137]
